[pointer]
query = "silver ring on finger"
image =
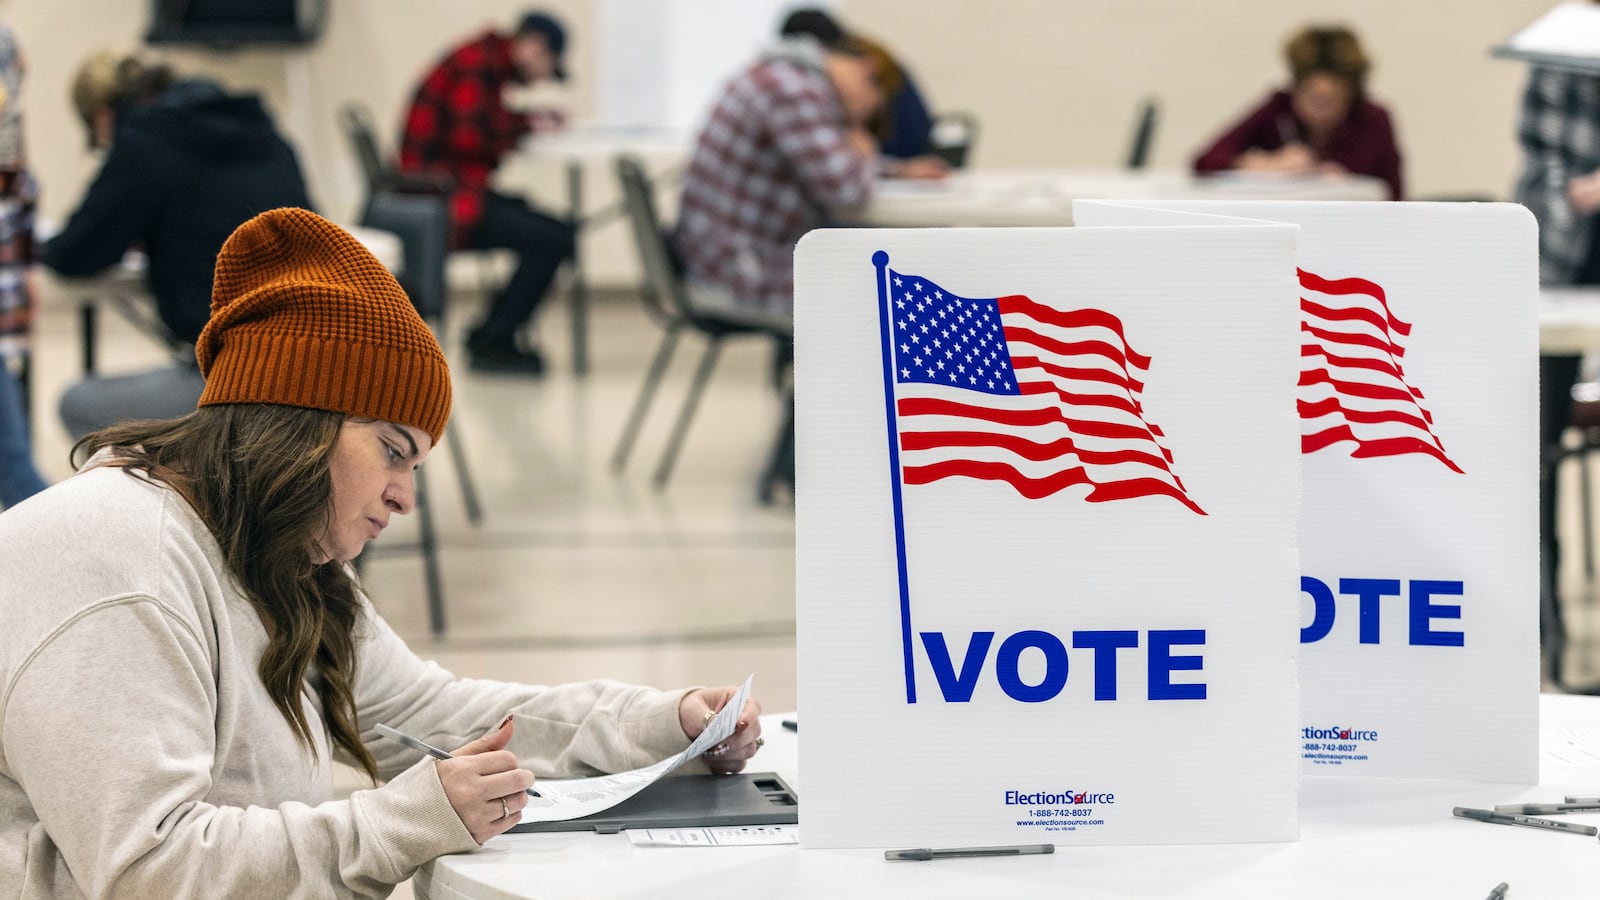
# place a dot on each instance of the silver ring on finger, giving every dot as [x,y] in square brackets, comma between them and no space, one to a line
[505,811]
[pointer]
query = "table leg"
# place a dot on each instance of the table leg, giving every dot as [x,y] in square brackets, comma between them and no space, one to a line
[87,312]
[1556,376]
[578,292]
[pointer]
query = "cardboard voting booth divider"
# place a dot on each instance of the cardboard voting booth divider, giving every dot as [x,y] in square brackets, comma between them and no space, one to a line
[1418,530]
[1046,535]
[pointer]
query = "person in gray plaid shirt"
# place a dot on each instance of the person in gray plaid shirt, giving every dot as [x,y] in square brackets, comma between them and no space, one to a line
[785,149]
[1560,136]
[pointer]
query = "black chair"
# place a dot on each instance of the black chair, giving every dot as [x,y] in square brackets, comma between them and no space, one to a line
[382,175]
[669,300]
[952,137]
[415,208]
[1144,133]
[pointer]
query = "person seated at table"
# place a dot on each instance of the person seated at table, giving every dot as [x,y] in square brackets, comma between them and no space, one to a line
[785,148]
[185,163]
[1560,185]
[19,478]
[187,648]
[458,126]
[1325,122]
[903,125]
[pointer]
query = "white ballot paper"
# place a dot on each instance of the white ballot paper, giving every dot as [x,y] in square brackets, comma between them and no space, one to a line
[726,836]
[578,797]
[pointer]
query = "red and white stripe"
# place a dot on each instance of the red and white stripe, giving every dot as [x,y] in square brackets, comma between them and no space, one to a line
[1353,384]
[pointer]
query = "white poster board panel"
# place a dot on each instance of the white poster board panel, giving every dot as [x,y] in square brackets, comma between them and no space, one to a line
[1089,644]
[1419,530]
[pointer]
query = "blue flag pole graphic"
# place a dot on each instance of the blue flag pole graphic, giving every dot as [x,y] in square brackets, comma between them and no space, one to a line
[880,259]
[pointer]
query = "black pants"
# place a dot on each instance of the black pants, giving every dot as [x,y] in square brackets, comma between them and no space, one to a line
[542,244]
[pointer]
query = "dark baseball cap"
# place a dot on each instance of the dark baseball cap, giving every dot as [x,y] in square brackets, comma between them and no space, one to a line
[555,37]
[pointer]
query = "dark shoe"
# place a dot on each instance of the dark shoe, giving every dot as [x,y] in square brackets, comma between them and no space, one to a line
[507,360]
[500,353]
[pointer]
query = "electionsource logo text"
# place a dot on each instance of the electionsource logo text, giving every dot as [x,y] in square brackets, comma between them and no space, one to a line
[1065,798]
[1337,733]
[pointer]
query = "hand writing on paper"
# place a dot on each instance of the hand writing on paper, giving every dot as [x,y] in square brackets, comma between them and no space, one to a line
[484,784]
[927,168]
[695,710]
[1584,193]
[1292,157]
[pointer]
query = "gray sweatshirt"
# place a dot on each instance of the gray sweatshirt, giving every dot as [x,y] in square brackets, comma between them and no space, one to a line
[141,757]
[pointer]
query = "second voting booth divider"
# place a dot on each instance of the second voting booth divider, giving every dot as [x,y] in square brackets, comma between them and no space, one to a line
[1049,492]
[1418,401]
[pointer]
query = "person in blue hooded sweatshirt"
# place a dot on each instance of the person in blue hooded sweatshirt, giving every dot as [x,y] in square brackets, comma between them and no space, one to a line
[186,162]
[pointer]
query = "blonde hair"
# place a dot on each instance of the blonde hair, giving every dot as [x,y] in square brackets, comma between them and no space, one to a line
[112,81]
[1325,50]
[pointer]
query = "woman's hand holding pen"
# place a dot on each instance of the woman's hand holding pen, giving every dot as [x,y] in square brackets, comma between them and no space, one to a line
[695,711]
[484,784]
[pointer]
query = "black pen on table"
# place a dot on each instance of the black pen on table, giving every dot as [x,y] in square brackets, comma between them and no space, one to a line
[425,747]
[922,854]
[1499,892]
[1486,815]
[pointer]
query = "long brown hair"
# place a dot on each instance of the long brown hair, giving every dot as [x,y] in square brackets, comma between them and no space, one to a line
[258,476]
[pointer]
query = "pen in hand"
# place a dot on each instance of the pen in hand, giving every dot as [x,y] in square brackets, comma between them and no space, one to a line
[425,747]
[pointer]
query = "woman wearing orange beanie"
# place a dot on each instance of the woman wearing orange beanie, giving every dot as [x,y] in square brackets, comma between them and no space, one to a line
[186,650]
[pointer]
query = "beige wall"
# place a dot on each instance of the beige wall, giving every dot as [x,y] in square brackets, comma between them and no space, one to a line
[1055,82]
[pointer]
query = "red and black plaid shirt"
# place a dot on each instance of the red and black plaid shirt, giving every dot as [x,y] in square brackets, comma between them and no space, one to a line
[458,124]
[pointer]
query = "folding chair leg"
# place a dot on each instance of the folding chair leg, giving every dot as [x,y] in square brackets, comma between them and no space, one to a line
[647,392]
[780,464]
[690,403]
[1585,502]
[87,331]
[430,557]
[469,491]
[488,284]
[25,388]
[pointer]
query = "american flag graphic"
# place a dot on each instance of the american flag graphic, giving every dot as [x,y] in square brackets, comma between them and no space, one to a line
[1008,389]
[1353,386]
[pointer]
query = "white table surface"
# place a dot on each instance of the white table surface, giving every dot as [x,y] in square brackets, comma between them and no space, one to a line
[982,197]
[1569,320]
[1359,838]
[581,143]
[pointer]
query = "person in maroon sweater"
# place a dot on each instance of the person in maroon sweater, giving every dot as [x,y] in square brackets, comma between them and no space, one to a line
[1323,123]
[459,127]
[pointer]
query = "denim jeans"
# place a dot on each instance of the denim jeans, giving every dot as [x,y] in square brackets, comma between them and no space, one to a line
[19,480]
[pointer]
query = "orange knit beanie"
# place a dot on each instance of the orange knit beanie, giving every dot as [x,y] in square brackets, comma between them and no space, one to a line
[303,315]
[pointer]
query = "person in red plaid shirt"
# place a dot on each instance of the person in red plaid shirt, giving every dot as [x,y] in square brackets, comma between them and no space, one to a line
[786,147]
[458,126]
